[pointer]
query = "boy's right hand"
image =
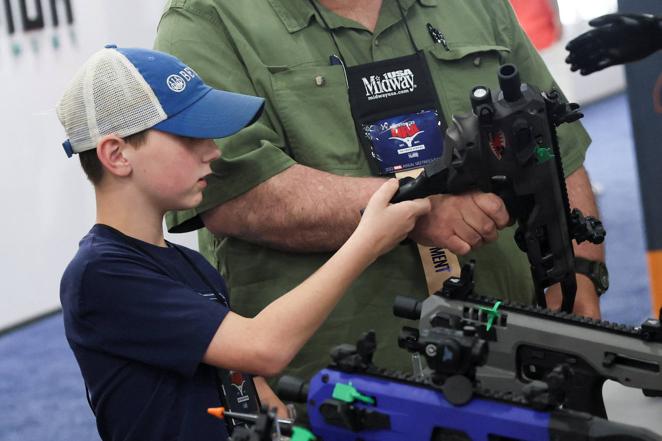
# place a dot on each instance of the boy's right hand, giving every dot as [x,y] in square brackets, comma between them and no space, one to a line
[384,225]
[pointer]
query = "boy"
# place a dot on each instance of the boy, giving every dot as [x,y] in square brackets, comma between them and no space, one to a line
[149,321]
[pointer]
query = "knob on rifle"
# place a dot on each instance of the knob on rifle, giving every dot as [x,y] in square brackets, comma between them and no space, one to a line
[292,389]
[406,307]
[510,83]
[480,95]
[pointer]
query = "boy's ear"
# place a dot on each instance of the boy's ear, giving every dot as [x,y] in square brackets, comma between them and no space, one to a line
[111,154]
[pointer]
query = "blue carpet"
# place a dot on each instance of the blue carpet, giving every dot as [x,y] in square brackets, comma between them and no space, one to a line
[612,166]
[41,389]
[42,393]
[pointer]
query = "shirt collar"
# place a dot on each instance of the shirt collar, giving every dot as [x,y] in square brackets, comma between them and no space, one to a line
[296,15]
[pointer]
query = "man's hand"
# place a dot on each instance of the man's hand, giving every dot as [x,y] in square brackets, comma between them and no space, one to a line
[461,223]
[587,302]
[616,39]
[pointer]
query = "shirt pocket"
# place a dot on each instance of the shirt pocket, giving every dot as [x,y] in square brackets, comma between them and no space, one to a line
[313,107]
[456,72]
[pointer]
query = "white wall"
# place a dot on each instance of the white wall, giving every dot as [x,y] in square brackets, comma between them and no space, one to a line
[46,204]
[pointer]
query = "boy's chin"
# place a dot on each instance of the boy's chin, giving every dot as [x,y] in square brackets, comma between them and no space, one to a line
[187,204]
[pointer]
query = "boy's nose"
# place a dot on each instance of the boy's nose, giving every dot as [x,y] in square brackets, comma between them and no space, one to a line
[212,152]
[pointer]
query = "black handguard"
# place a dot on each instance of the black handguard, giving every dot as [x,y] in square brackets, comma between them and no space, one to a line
[508,146]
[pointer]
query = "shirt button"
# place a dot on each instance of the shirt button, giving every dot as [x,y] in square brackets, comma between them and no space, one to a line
[477,61]
[320,81]
[376,42]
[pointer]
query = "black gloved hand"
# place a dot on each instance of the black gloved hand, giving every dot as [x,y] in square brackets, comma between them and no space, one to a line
[616,39]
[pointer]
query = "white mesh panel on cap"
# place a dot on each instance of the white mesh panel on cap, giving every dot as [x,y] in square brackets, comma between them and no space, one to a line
[107,96]
[71,112]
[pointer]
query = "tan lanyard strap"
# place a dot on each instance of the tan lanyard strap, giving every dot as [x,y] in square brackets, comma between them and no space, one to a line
[438,263]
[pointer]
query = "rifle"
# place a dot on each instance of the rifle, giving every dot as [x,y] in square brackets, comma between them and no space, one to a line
[508,146]
[353,399]
[553,357]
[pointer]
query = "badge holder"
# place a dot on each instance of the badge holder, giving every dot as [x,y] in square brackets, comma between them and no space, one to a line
[238,394]
[396,113]
[401,128]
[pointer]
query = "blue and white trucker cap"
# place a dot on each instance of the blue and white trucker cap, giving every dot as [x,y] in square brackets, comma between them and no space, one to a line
[127,90]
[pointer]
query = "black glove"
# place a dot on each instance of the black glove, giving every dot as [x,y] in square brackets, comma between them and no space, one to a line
[616,39]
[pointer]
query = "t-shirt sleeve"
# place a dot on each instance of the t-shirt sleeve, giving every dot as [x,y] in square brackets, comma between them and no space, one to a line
[198,37]
[573,138]
[129,309]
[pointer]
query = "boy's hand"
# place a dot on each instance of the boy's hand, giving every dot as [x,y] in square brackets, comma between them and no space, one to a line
[385,225]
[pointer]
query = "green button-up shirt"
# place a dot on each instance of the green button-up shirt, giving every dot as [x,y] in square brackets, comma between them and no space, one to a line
[279,49]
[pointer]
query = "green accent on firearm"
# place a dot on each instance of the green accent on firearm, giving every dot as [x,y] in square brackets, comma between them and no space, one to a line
[301,434]
[349,394]
[492,313]
[544,154]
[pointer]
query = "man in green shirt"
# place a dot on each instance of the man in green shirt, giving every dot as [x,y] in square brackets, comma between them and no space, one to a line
[288,190]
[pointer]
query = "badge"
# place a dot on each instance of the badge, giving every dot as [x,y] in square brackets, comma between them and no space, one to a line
[405,141]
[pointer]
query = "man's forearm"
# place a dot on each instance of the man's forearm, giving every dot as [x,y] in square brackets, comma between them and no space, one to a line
[300,209]
[581,196]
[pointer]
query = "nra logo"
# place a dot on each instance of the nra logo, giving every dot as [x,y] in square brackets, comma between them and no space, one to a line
[405,132]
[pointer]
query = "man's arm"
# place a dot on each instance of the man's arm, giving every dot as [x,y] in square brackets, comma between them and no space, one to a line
[300,209]
[306,210]
[587,302]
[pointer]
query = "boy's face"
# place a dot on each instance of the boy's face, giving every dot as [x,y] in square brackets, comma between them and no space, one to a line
[170,169]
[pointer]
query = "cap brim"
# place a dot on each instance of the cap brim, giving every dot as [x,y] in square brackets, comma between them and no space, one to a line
[216,115]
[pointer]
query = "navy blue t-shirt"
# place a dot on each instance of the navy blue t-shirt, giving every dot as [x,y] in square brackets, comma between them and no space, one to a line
[139,320]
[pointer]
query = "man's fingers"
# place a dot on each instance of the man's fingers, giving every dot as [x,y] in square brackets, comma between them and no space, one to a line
[468,235]
[493,206]
[480,223]
[457,246]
